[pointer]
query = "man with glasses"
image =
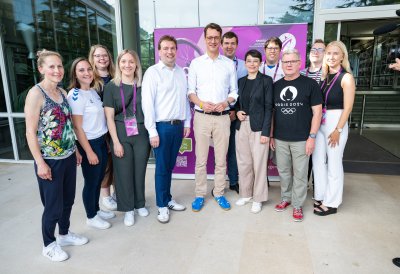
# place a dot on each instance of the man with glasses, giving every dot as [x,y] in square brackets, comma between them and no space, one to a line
[298,112]
[212,87]
[314,71]
[272,67]
[229,45]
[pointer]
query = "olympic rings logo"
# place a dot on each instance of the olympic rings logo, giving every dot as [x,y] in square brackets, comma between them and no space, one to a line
[288,110]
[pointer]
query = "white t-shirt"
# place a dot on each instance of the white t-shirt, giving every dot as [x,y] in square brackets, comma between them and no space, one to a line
[88,104]
[276,72]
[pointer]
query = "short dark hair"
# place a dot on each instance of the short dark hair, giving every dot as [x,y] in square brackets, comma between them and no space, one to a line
[253,53]
[167,38]
[213,26]
[275,40]
[320,41]
[230,35]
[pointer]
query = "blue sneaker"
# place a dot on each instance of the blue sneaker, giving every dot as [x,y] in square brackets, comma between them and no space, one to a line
[198,204]
[223,202]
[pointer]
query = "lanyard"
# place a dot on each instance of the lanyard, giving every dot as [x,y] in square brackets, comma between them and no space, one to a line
[123,98]
[316,73]
[276,70]
[236,62]
[331,85]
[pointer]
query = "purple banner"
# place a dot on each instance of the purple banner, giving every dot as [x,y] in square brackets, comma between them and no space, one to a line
[191,44]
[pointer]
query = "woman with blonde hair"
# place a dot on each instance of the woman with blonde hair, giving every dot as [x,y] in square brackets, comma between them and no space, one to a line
[129,138]
[51,140]
[90,128]
[338,90]
[103,71]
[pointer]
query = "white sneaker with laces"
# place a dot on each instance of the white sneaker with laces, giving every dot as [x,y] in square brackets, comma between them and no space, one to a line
[98,222]
[143,212]
[163,215]
[54,252]
[109,203]
[129,218]
[175,206]
[242,201]
[105,215]
[256,207]
[71,239]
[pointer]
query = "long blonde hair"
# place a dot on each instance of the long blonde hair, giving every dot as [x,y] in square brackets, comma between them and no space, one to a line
[345,62]
[137,76]
[110,69]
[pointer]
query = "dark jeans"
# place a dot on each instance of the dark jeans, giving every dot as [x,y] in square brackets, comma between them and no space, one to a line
[57,196]
[166,153]
[233,173]
[93,175]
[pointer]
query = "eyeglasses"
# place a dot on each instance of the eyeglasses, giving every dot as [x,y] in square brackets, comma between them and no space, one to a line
[104,56]
[213,38]
[272,48]
[291,62]
[317,50]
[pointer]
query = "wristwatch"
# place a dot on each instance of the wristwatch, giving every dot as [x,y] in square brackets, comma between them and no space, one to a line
[313,135]
[339,130]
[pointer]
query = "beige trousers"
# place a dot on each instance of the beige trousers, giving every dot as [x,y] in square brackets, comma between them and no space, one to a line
[218,128]
[252,158]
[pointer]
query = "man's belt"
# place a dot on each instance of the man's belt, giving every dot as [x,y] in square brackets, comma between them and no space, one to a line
[172,122]
[214,113]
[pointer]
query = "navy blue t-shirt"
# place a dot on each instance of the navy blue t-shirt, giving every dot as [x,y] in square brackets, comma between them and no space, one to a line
[292,103]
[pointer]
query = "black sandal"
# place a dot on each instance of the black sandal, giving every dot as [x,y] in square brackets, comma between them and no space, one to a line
[325,212]
[317,203]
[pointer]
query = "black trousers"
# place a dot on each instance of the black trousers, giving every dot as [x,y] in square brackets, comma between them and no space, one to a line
[57,197]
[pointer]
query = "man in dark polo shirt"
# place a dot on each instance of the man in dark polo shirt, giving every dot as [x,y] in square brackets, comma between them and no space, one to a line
[298,111]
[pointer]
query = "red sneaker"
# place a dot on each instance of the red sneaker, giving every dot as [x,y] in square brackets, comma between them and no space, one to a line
[282,206]
[298,214]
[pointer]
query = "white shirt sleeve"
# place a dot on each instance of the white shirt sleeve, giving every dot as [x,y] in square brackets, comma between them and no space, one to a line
[233,88]
[192,78]
[76,101]
[149,89]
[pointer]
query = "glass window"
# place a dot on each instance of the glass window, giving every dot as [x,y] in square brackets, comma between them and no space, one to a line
[3,107]
[229,12]
[288,11]
[23,149]
[58,25]
[176,13]
[331,30]
[332,4]
[6,150]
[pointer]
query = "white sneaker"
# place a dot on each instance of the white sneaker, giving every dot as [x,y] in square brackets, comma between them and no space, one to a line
[71,239]
[109,203]
[105,215]
[175,206]
[256,207]
[143,212]
[242,201]
[129,218]
[163,215]
[98,222]
[54,252]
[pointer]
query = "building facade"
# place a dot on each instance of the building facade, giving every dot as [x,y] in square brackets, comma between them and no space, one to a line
[72,26]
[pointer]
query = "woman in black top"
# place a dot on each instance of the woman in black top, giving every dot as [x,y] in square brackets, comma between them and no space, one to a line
[129,138]
[254,112]
[338,90]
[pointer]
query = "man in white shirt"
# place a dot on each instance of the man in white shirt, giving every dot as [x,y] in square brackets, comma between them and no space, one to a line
[213,89]
[167,118]
[230,43]
[272,67]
